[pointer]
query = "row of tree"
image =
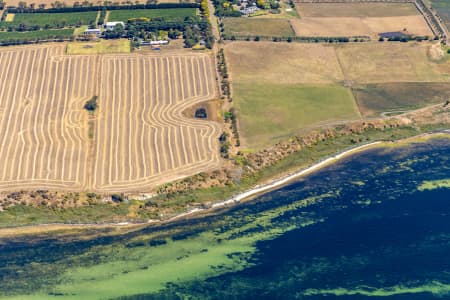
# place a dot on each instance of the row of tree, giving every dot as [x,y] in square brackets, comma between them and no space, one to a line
[318,39]
[59,7]
[223,72]
[405,38]
[23,41]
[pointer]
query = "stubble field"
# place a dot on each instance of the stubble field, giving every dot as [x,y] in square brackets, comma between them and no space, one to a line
[348,26]
[358,19]
[141,138]
[370,9]
[390,62]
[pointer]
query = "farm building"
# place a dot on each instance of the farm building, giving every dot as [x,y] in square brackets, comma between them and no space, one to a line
[154,43]
[96,32]
[112,25]
[248,10]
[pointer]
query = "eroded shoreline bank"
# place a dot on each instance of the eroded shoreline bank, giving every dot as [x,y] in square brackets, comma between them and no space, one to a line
[248,195]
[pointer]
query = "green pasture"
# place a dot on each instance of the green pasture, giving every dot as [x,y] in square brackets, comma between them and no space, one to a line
[55,19]
[271,112]
[168,13]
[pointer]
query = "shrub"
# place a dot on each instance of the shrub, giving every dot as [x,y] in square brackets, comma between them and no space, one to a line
[91,105]
[117,198]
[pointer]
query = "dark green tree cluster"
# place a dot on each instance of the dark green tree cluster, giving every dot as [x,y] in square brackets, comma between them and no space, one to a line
[118,32]
[226,10]
[194,30]
[192,36]
[224,145]
[174,33]
[156,24]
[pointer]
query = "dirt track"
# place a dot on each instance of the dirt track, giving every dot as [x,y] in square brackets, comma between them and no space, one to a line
[141,138]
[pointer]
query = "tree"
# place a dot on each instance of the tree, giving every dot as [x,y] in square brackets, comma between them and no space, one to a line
[91,105]
[274,5]
[174,33]
[22,4]
[261,3]
[117,198]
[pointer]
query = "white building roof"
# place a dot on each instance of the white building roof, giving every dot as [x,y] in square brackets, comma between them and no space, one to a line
[113,24]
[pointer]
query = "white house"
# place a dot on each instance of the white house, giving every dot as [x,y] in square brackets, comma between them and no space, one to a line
[112,25]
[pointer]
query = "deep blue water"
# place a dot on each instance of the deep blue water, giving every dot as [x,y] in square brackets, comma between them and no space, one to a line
[406,241]
[375,235]
[399,242]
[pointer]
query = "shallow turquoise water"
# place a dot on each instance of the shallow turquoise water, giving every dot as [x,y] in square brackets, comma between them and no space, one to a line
[368,227]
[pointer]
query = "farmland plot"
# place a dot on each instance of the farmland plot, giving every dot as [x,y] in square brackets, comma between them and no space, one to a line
[141,138]
[55,19]
[42,96]
[142,133]
[280,89]
[358,19]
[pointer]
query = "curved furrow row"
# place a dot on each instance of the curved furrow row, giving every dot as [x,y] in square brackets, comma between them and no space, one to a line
[142,138]
[169,143]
